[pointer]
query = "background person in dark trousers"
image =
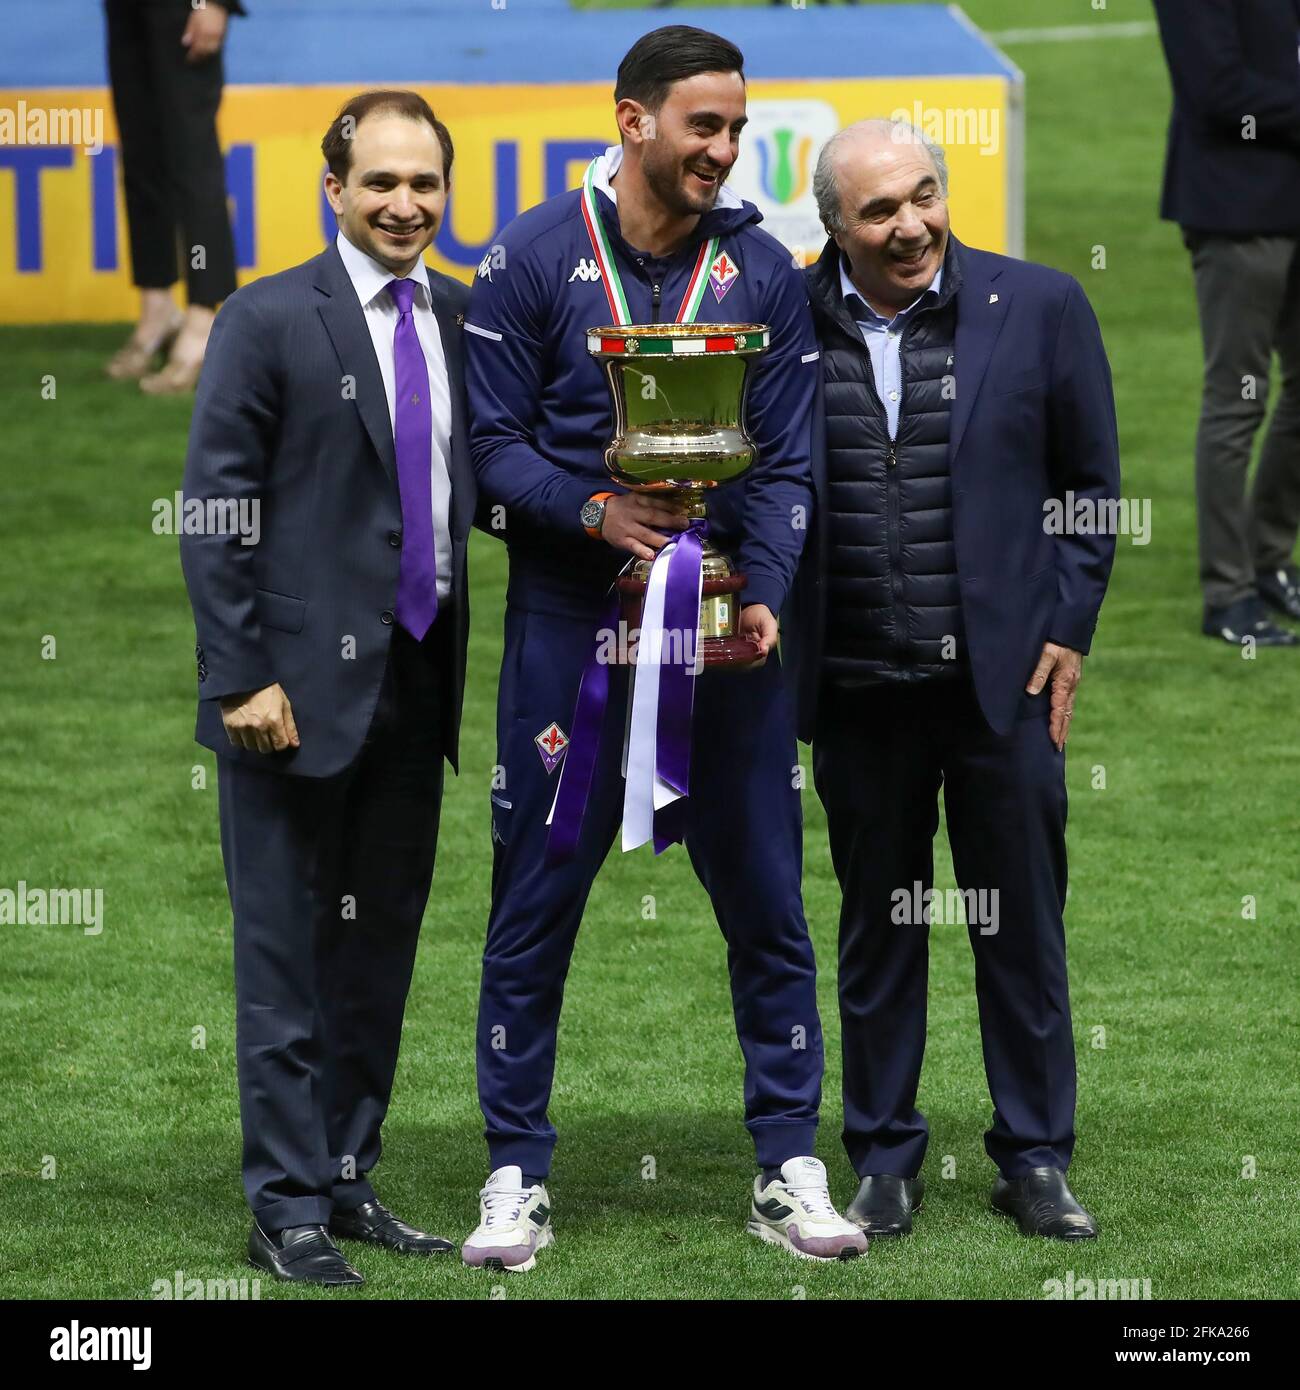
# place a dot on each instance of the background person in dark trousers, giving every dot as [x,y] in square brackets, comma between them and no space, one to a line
[164,63]
[1232,182]
[938,631]
[331,666]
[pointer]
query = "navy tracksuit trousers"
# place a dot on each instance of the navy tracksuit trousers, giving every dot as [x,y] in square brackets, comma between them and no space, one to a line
[745,839]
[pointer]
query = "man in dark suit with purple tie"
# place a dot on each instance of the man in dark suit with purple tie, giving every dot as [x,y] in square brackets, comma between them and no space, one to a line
[331,664]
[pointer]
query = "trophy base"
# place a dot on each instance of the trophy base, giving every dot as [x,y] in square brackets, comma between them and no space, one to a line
[720,647]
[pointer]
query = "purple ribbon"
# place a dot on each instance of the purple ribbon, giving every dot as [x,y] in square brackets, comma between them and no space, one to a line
[676,703]
[584,744]
[677,682]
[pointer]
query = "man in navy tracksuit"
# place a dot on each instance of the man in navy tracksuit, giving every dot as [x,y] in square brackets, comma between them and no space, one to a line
[541,416]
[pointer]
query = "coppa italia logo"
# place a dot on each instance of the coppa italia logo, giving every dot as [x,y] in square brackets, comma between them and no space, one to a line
[784,166]
[778,153]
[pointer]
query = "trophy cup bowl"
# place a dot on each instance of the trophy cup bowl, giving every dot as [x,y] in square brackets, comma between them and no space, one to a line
[677,392]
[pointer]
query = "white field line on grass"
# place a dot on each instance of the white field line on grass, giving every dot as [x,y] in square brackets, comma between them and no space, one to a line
[1070,33]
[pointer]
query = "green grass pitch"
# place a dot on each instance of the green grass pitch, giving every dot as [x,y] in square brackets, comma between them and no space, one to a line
[1195,1004]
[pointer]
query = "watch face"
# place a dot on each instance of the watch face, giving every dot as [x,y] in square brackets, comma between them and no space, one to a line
[592,514]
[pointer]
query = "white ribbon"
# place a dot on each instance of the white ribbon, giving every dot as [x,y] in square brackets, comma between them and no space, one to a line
[645,791]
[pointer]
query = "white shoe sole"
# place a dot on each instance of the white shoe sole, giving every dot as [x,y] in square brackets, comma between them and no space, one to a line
[498,1266]
[772,1236]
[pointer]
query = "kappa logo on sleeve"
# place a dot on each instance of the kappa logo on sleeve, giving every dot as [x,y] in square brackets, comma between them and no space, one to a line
[551,743]
[485,268]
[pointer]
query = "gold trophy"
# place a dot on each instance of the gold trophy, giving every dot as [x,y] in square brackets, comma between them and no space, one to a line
[678,396]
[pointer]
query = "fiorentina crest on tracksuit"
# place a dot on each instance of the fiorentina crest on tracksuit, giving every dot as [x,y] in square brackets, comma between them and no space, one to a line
[723,273]
[551,743]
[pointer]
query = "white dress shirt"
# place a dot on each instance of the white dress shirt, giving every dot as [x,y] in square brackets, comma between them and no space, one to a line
[368,279]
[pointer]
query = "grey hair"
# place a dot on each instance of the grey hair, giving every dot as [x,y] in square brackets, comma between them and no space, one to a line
[825,185]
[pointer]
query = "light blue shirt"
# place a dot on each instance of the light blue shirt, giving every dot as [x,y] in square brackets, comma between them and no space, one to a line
[883,337]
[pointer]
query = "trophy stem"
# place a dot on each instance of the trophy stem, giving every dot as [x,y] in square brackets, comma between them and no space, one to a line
[693,504]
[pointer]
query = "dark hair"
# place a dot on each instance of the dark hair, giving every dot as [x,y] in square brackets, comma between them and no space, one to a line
[664,56]
[337,146]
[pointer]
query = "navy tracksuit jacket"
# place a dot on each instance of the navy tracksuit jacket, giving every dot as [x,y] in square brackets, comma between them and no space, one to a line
[541,418]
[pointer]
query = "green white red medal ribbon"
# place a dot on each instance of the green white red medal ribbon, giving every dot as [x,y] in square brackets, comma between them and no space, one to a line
[656,755]
[609,276]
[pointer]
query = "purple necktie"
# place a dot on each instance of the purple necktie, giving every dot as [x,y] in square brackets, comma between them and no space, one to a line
[417,582]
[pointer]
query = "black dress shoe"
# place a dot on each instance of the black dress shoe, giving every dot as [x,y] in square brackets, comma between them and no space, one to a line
[1280,589]
[1043,1205]
[884,1204]
[1247,618]
[303,1254]
[376,1225]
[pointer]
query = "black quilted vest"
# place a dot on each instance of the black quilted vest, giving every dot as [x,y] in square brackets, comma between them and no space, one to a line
[893,602]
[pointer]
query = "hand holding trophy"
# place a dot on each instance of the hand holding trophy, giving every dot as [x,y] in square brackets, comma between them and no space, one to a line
[677,393]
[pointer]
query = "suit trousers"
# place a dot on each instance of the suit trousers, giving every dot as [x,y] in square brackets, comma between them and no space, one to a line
[172,168]
[880,755]
[1248,292]
[328,881]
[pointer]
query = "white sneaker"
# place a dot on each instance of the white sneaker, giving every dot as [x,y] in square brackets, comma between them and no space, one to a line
[514,1224]
[795,1211]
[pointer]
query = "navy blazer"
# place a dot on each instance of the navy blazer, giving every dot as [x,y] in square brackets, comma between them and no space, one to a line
[1229,60]
[291,410]
[1033,418]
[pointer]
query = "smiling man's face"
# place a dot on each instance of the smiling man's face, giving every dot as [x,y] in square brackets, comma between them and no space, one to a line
[396,191]
[895,218]
[696,138]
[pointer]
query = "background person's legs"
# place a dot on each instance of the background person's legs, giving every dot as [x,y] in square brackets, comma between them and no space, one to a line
[1275,497]
[150,214]
[189,95]
[1240,283]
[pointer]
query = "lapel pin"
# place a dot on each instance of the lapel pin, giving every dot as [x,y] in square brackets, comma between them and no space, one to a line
[460,320]
[993,299]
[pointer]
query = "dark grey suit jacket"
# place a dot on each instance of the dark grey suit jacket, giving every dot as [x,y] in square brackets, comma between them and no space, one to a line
[1233,161]
[291,411]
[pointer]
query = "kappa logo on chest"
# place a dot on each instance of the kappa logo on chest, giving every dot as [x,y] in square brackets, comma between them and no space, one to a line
[586,270]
